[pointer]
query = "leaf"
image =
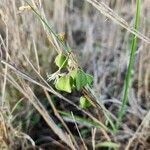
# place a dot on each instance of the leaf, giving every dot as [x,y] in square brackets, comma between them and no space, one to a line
[61,60]
[73,73]
[64,83]
[80,120]
[80,79]
[89,78]
[108,144]
[84,103]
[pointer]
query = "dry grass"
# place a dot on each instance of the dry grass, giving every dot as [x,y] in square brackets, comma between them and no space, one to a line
[99,36]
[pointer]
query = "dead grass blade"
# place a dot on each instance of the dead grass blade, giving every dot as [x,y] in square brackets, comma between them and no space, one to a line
[84,145]
[28,93]
[50,89]
[108,12]
[144,123]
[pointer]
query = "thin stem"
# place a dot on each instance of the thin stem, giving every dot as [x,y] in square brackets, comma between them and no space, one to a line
[130,66]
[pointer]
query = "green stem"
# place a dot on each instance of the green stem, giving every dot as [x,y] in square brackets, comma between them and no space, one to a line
[48,26]
[130,66]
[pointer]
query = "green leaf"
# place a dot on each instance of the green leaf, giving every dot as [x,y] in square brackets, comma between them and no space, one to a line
[73,73]
[80,79]
[64,83]
[80,120]
[89,78]
[61,60]
[108,144]
[84,103]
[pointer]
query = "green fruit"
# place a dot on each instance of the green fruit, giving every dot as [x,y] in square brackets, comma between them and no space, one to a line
[61,61]
[64,83]
[84,103]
